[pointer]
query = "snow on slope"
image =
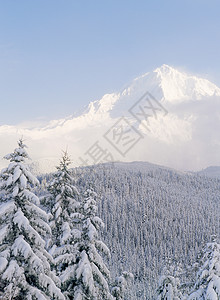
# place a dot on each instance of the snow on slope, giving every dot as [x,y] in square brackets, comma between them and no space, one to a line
[179,86]
[185,138]
[212,171]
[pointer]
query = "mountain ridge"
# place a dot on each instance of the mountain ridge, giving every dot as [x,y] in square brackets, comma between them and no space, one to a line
[190,124]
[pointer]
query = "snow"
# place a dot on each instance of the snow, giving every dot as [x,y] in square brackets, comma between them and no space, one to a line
[212,171]
[99,222]
[20,247]
[211,294]
[103,248]
[37,294]
[37,210]
[6,208]
[92,232]
[67,274]
[13,270]
[23,181]
[15,191]
[17,173]
[20,219]
[10,180]
[84,270]
[11,166]
[66,232]
[190,102]
[32,197]
[79,295]
[58,212]
[179,86]
[3,233]
[208,277]
[216,284]
[76,234]
[48,283]
[66,259]
[3,264]
[195,296]
[41,225]
[52,250]
[99,277]
[22,222]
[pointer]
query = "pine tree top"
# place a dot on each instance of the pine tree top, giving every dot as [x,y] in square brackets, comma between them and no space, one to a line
[65,161]
[19,154]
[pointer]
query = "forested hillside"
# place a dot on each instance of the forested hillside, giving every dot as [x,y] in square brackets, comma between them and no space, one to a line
[154,217]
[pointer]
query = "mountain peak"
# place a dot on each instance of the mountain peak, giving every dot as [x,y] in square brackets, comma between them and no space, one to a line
[178,86]
[165,69]
[179,131]
[169,84]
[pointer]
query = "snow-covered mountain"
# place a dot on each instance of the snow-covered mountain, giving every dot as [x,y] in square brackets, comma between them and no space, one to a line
[164,116]
[213,171]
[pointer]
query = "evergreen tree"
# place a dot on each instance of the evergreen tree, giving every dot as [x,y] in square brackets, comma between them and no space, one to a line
[121,284]
[169,284]
[167,289]
[207,285]
[24,263]
[92,275]
[63,202]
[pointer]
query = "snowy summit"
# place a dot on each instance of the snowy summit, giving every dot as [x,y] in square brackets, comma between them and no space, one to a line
[185,124]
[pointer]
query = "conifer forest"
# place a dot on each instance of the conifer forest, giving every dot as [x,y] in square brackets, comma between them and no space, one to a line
[107,232]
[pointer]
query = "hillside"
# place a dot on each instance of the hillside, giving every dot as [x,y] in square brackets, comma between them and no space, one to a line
[154,216]
[213,171]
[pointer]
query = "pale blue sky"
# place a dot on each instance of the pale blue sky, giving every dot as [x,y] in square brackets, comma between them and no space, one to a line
[56,56]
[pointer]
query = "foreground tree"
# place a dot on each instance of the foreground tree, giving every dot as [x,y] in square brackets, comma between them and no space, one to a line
[207,286]
[63,202]
[24,263]
[92,275]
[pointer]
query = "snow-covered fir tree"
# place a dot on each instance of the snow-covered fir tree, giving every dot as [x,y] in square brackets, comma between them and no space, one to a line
[63,202]
[167,289]
[169,284]
[121,284]
[25,271]
[92,275]
[207,286]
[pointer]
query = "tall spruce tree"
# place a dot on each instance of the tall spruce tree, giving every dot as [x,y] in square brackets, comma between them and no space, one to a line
[63,202]
[207,286]
[92,275]
[24,263]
